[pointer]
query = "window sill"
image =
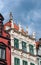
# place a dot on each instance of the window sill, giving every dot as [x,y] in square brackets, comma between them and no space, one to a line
[24,51]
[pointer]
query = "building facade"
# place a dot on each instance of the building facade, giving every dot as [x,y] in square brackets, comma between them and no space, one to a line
[39,51]
[23,46]
[5,50]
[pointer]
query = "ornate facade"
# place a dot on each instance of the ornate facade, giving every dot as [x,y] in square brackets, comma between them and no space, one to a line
[23,45]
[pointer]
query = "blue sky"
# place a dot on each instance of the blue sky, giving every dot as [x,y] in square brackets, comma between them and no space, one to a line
[26,12]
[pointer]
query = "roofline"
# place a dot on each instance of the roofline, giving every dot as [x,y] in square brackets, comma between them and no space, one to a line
[21,33]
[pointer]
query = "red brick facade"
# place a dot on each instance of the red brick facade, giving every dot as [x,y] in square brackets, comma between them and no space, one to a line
[5,50]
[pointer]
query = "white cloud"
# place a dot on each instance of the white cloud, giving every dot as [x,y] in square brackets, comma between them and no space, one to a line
[27,11]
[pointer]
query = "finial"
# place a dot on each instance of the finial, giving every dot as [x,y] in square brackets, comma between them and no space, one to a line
[27,28]
[11,17]
[20,27]
[33,34]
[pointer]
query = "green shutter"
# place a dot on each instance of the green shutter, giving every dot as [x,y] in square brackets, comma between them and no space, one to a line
[16,61]
[16,43]
[31,49]
[32,64]
[25,62]
[24,46]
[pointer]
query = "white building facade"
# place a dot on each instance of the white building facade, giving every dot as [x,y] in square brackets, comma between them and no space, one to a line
[23,47]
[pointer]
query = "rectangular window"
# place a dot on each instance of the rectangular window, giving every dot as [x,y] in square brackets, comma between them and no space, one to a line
[24,46]
[25,62]
[32,64]
[16,43]
[2,53]
[40,62]
[16,61]
[31,49]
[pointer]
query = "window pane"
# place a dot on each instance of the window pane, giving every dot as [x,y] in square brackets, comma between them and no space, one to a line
[40,62]
[3,53]
[31,49]
[16,61]
[16,43]
[24,46]
[32,64]
[24,62]
[0,53]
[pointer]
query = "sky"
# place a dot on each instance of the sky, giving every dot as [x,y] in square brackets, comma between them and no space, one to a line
[25,12]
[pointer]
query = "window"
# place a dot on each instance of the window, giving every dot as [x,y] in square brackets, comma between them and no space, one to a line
[16,61]
[24,46]
[40,62]
[39,51]
[31,49]
[32,64]
[25,62]
[16,43]
[2,53]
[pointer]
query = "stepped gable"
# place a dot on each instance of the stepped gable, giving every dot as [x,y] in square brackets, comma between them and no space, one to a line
[16,27]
